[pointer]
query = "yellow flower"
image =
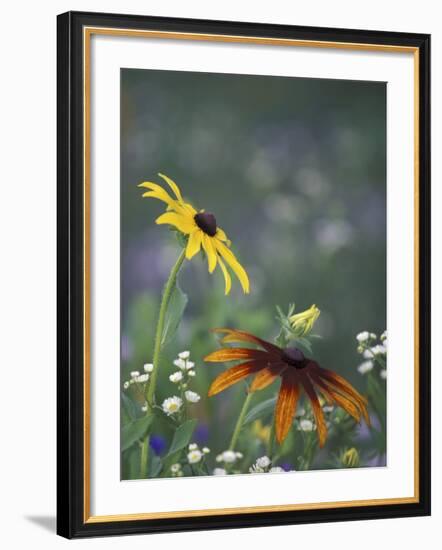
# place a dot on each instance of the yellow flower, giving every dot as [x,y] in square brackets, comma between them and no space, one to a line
[350,458]
[260,431]
[302,323]
[201,229]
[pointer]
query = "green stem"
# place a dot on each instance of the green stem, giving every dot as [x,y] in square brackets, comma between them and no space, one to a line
[168,289]
[271,444]
[150,394]
[240,421]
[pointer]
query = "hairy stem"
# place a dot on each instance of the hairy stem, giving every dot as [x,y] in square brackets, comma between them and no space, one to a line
[240,421]
[150,394]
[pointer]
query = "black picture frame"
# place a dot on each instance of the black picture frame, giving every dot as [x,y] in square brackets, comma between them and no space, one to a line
[71,520]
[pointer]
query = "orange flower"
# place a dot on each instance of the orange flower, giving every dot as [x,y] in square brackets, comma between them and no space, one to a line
[296,371]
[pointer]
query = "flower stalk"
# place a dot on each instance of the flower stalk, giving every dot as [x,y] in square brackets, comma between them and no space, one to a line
[240,421]
[150,393]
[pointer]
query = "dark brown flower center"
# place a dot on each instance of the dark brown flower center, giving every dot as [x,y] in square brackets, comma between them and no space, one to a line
[294,357]
[206,221]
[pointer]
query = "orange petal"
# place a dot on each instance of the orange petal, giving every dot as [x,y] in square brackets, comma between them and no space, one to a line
[317,409]
[342,401]
[347,389]
[265,377]
[232,375]
[234,335]
[286,406]
[231,354]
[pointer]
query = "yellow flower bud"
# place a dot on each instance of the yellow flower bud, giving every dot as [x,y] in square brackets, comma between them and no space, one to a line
[302,323]
[350,458]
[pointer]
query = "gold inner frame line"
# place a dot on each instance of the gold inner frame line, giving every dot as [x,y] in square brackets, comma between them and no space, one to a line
[87,34]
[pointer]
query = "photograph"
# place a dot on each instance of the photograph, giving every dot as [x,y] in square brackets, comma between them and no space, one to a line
[253,289]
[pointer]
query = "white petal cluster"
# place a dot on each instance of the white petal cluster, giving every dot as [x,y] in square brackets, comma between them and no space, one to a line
[194,456]
[172,405]
[263,462]
[261,466]
[219,472]
[137,377]
[176,470]
[383,374]
[176,377]
[363,336]
[148,367]
[365,367]
[306,425]
[229,457]
[192,396]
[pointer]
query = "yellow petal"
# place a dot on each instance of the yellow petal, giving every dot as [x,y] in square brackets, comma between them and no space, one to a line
[182,223]
[194,244]
[173,186]
[210,251]
[157,192]
[234,264]
[220,234]
[226,274]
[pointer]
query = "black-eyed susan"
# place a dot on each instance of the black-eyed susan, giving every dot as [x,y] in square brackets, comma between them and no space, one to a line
[200,228]
[296,372]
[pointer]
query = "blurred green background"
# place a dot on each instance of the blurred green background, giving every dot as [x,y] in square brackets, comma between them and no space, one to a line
[295,171]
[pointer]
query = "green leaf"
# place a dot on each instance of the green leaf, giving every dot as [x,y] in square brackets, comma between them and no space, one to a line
[132,432]
[260,410]
[180,440]
[304,344]
[182,436]
[155,465]
[175,309]
[129,407]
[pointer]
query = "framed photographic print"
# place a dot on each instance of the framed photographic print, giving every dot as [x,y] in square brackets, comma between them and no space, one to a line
[243,274]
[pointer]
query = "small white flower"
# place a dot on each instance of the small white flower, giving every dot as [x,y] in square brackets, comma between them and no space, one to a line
[306,425]
[365,367]
[134,374]
[384,336]
[189,365]
[194,456]
[193,446]
[328,408]
[263,462]
[131,381]
[239,455]
[176,377]
[192,396]
[206,450]
[180,363]
[363,336]
[228,456]
[372,335]
[126,385]
[277,470]
[175,468]
[219,472]
[172,405]
[379,350]
[142,378]
[148,367]
[368,354]
[383,374]
[144,407]
[384,343]
[191,373]
[300,412]
[255,469]
[184,355]
[219,458]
